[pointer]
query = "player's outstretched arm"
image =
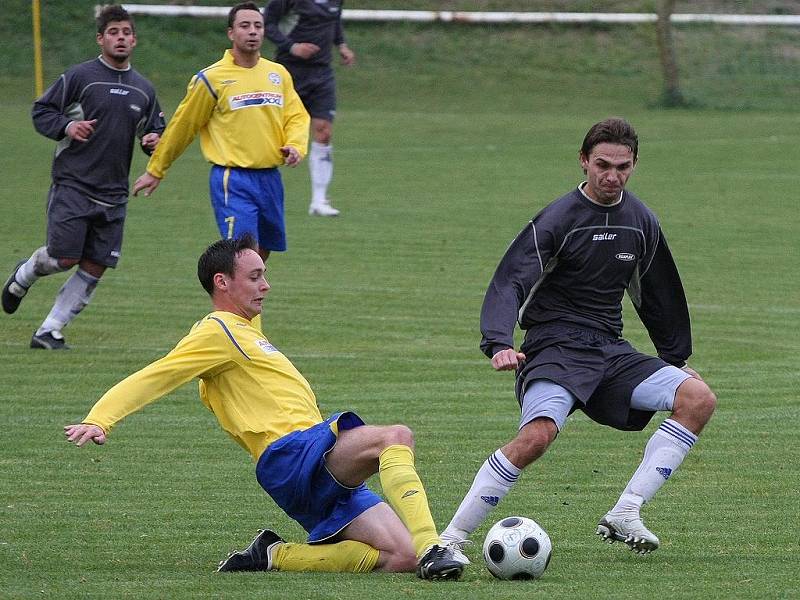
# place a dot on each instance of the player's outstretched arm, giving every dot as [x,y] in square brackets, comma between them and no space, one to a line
[81,433]
[146,182]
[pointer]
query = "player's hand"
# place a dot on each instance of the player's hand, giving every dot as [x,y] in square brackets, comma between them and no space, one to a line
[81,433]
[150,141]
[347,55]
[507,360]
[304,50]
[691,372]
[291,157]
[146,182]
[80,131]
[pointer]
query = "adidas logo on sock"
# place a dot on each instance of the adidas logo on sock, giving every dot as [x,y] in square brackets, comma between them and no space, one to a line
[490,500]
[665,472]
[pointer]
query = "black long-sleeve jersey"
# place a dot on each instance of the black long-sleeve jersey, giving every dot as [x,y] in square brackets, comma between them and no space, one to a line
[572,264]
[125,106]
[314,21]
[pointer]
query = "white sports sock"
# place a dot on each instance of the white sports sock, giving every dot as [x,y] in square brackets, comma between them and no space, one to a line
[493,481]
[72,298]
[320,165]
[663,454]
[38,265]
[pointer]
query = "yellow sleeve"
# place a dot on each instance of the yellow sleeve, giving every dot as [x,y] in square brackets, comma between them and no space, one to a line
[192,114]
[296,119]
[200,352]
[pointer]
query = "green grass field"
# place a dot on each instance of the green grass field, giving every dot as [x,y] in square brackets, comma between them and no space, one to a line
[436,171]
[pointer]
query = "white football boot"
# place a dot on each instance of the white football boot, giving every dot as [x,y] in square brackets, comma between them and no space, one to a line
[456,546]
[322,209]
[628,528]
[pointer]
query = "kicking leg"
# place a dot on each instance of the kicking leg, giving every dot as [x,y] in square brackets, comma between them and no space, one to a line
[359,453]
[545,407]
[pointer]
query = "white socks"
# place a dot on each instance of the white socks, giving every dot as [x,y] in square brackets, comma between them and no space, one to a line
[72,298]
[320,165]
[38,265]
[663,454]
[493,481]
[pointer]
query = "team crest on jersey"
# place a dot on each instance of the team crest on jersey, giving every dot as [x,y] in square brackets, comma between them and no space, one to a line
[266,347]
[275,78]
[256,99]
[625,256]
[135,108]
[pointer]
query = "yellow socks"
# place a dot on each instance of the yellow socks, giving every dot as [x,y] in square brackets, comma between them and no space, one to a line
[343,557]
[405,494]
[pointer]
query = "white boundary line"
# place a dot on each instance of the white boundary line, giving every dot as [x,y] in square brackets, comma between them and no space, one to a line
[447,16]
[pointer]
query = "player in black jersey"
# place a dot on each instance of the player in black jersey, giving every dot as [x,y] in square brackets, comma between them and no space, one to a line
[305,32]
[95,111]
[563,279]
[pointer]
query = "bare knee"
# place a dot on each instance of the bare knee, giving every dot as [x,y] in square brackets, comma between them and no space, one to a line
[398,435]
[67,263]
[531,442]
[694,405]
[321,131]
[92,268]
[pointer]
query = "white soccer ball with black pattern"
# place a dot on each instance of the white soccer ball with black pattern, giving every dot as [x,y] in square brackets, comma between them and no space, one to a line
[517,548]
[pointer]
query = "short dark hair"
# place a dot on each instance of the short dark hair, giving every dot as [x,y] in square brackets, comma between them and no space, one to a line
[220,257]
[611,131]
[112,12]
[241,6]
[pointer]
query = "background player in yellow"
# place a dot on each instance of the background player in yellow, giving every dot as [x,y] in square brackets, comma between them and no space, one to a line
[314,469]
[250,121]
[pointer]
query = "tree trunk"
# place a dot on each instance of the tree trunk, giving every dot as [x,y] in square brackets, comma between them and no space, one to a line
[672,95]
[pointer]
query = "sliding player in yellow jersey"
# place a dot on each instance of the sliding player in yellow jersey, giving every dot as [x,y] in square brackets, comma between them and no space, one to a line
[313,468]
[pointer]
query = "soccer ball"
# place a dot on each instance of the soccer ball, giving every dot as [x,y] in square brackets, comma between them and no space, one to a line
[517,548]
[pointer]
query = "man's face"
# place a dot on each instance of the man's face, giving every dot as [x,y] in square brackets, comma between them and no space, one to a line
[117,41]
[608,168]
[245,291]
[247,33]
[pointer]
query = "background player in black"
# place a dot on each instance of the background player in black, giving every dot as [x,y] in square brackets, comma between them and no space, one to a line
[305,32]
[563,279]
[95,111]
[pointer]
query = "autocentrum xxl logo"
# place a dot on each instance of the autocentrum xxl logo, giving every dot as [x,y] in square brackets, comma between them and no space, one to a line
[256,99]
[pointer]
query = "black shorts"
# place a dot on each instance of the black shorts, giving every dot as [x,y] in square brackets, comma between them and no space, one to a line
[601,371]
[316,87]
[78,227]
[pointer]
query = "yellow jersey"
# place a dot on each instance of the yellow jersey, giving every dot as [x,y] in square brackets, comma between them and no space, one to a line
[255,392]
[244,116]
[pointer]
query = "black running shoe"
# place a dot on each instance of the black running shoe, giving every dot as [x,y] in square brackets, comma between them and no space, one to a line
[49,340]
[13,291]
[256,557]
[439,563]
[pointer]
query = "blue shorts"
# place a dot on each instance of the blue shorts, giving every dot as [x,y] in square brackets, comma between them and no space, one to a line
[249,201]
[292,471]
